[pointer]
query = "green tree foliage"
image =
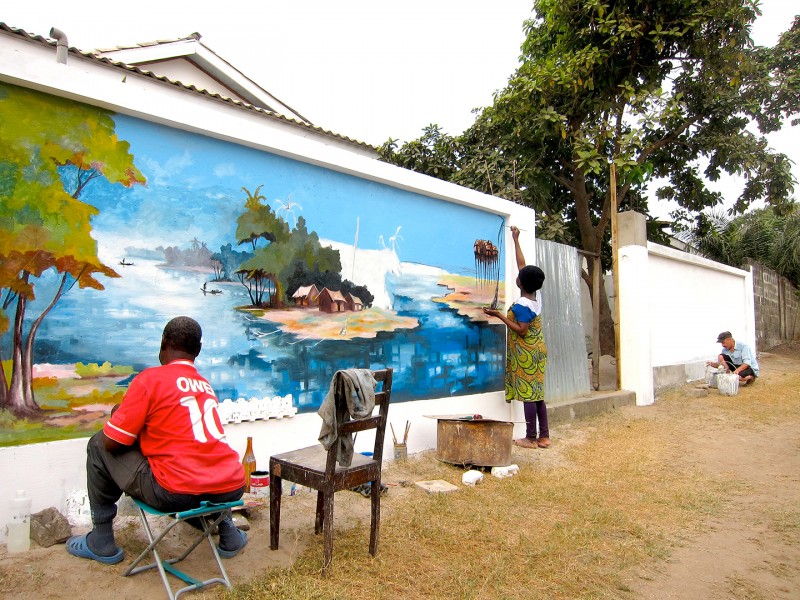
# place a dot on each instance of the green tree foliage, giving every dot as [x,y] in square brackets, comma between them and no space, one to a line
[259,222]
[268,269]
[768,236]
[303,247]
[783,94]
[230,260]
[664,91]
[43,224]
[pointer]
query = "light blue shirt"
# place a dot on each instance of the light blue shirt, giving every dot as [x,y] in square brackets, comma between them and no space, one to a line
[741,355]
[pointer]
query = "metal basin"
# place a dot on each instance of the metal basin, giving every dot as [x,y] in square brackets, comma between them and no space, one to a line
[481,442]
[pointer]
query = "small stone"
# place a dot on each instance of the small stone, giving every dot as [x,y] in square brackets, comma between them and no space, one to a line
[241,522]
[436,486]
[49,527]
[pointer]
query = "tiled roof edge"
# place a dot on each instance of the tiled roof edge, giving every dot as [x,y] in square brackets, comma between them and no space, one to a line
[244,105]
[192,36]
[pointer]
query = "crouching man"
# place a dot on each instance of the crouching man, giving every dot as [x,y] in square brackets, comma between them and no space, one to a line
[165,446]
[737,358]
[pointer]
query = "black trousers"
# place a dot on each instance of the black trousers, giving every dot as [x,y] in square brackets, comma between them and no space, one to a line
[535,411]
[733,367]
[109,475]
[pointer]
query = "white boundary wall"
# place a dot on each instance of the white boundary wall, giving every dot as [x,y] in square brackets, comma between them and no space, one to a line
[49,472]
[672,307]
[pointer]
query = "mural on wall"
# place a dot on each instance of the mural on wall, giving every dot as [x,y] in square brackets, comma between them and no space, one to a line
[110,226]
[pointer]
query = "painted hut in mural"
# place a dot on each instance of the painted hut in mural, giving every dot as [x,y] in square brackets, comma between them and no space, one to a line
[332,301]
[354,302]
[306,295]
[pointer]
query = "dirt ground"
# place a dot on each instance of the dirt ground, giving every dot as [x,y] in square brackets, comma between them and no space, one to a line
[741,554]
[748,553]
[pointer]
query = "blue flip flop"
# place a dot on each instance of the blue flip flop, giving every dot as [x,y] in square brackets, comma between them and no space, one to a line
[78,546]
[232,553]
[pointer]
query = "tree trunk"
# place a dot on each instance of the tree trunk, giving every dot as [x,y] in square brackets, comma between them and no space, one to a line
[608,338]
[607,334]
[17,402]
[591,237]
[275,299]
[27,354]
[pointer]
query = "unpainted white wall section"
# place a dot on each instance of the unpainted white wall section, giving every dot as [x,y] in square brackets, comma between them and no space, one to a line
[635,318]
[695,299]
[672,306]
[50,472]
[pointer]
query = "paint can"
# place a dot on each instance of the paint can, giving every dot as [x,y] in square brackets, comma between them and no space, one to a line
[400,452]
[259,483]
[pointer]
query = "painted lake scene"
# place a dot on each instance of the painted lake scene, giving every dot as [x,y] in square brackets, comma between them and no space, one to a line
[112,225]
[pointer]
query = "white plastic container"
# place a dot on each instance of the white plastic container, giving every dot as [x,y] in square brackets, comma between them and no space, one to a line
[508,471]
[19,527]
[728,385]
[713,374]
[471,477]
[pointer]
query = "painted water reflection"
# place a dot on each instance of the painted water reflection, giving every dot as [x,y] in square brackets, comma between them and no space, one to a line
[244,356]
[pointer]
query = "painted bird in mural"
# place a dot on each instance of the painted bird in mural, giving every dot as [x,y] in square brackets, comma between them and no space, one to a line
[395,238]
[287,208]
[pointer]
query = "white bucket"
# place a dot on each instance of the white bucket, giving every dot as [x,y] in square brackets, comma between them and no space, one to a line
[711,376]
[728,384]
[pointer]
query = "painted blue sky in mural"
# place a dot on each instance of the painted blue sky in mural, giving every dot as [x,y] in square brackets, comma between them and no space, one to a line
[194,190]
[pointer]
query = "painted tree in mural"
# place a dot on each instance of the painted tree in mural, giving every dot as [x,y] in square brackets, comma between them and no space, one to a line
[259,274]
[307,255]
[50,150]
[230,260]
[665,91]
[269,268]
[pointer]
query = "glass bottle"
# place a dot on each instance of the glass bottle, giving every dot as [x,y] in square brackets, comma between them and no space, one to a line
[249,463]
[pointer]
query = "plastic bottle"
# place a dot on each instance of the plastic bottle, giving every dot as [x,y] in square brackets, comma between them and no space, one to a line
[249,463]
[19,527]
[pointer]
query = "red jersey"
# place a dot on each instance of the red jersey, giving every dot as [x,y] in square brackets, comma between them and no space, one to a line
[172,411]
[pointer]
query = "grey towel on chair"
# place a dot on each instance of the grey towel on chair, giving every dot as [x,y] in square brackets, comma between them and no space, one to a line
[352,395]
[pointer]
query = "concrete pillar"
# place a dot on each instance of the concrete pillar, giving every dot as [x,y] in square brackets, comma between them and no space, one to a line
[635,351]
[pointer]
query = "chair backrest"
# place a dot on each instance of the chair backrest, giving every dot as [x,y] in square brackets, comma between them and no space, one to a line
[383,393]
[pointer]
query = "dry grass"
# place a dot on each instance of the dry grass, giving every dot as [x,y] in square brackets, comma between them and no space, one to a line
[785,521]
[572,524]
[562,530]
[740,588]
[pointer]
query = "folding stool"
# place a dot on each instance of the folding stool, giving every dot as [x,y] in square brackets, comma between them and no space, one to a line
[166,566]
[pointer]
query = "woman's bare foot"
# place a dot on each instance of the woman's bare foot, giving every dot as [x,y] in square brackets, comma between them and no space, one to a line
[745,380]
[543,442]
[526,443]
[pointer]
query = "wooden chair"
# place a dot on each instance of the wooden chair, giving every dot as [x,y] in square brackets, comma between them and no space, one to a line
[317,468]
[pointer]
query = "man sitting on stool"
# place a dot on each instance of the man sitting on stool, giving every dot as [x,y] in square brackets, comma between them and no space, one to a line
[164,446]
[737,358]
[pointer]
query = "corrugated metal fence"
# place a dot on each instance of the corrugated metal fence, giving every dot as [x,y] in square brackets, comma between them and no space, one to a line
[567,374]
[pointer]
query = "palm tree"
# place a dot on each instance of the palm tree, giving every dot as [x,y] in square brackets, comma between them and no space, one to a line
[767,236]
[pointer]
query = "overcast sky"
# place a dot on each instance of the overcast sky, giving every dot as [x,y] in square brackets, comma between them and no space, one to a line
[366,69]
